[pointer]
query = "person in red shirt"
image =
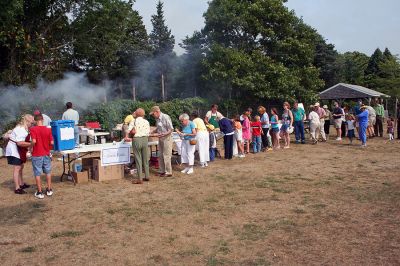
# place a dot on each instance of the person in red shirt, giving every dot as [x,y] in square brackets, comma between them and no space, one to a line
[256,130]
[41,161]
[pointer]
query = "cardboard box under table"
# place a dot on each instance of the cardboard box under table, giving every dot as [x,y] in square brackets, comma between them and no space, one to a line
[108,167]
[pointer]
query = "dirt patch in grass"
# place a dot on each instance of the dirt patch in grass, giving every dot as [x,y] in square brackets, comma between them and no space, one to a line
[329,203]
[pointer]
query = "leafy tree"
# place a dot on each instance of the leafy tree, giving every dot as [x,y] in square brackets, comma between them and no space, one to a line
[109,39]
[259,49]
[325,60]
[351,67]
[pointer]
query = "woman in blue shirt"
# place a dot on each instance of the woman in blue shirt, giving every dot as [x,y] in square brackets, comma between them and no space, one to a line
[275,128]
[362,119]
[188,134]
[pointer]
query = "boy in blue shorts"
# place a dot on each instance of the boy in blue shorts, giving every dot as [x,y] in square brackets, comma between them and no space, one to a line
[41,161]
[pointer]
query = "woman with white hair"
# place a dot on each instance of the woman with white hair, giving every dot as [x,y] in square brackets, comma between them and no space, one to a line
[16,150]
[315,123]
[188,135]
[203,140]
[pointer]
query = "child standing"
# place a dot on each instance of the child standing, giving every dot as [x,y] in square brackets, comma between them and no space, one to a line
[350,124]
[239,135]
[275,129]
[41,161]
[256,131]
[390,128]
[246,131]
[213,141]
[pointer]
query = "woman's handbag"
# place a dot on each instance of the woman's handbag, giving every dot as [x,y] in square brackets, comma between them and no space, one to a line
[193,142]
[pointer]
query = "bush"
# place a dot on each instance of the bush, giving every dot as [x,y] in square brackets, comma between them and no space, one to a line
[112,113]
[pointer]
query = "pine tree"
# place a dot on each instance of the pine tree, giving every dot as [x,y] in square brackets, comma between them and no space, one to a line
[387,54]
[373,64]
[161,39]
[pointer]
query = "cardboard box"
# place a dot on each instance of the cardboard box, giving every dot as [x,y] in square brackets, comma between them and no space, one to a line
[81,177]
[106,173]
[87,162]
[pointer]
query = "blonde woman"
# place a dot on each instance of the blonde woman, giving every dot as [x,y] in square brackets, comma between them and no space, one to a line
[287,122]
[17,147]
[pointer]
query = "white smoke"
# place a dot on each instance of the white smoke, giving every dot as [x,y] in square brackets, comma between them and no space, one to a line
[50,97]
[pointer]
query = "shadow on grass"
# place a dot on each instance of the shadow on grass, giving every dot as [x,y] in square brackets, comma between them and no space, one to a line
[21,213]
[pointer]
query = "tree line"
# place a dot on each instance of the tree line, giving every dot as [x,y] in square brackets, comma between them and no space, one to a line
[247,52]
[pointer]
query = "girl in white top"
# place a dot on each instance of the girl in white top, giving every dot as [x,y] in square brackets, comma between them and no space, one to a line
[17,139]
[315,124]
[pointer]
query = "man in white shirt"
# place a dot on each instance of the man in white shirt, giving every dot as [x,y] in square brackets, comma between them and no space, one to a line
[71,114]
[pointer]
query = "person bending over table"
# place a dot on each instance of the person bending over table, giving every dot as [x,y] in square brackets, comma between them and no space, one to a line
[164,133]
[188,133]
[140,129]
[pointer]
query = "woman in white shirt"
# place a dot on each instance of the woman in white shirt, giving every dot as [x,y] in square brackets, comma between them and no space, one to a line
[16,150]
[315,124]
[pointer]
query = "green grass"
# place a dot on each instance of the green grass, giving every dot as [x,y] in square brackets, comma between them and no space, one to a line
[252,232]
[191,252]
[28,250]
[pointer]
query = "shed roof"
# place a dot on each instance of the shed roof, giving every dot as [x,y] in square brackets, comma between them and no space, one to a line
[349,91]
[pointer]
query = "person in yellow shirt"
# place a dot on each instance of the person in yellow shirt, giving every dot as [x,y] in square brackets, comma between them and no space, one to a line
[203,140]
[130,119]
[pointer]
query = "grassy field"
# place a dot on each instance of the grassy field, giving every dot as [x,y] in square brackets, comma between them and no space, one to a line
[330,204]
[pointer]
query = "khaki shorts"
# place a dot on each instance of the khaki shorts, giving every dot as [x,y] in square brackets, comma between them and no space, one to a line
[338,123]
[371,121]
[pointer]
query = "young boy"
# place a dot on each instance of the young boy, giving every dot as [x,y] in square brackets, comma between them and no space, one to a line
[256,130]
[41,161]
[390,128]
[350,124]
[213,141]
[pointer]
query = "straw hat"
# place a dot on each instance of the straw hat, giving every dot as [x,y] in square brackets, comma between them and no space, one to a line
[210,127]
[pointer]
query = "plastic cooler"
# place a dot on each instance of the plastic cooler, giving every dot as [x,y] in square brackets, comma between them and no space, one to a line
[63,134]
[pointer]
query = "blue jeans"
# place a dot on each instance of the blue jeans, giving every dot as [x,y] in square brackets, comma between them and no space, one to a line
[256,144]
[41,164]
[212,154]
[299,130]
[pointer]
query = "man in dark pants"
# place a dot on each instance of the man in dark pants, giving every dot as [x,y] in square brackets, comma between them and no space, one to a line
[225,125]
[398,122]
[380,116]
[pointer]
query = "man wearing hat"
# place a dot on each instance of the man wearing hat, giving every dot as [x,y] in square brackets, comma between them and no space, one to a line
[321,112]
[362,119]
[163,132]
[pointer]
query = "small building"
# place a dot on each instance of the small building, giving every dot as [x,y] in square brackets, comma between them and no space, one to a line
[343,91]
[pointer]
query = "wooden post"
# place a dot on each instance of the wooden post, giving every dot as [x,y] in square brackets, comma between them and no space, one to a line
[162,88]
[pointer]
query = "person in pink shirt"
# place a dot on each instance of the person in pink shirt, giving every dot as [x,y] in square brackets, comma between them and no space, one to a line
[246,133]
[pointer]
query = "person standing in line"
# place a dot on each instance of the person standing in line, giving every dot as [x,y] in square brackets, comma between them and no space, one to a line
[398,121]
[247,113]
[287,122]
[213,142]
[213,116]
[350,121]
[256,132]
[362,119]
[238,136]
[246,131]
[164,133]
[140,129]
[327,118]
[227,128]
[203,140]
[380,117]
[321,112]
[16,149]
[71,114]
[357,111]
[315,123]
[371,121]
[264,119]
[188,135]
[390,128]
[299,115]
[41,161]
[275,129]
[46,118]
[338,115]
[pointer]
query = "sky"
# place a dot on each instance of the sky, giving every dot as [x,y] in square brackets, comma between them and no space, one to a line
[351,25]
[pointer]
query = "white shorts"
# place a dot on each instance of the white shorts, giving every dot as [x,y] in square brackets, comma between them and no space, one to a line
[238,135]
[338,123]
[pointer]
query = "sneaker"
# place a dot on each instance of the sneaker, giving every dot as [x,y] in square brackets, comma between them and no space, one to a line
[190,171]
[49,192]
[242,156]
[19,191]
[205,164]
[184,171]
[39,195]
[269,149]
[339,139]
[24,186]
